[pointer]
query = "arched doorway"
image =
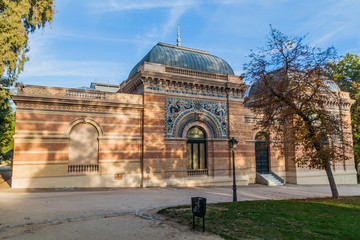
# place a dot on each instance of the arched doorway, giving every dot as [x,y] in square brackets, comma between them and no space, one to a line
[196,149]
[262,152]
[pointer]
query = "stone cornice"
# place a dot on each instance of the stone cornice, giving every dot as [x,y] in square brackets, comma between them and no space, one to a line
[58,100]
[194,88]
[78,94]
[71,108]
[166,77]
[40,137]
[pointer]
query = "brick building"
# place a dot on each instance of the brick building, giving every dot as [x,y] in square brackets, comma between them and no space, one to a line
[168,124]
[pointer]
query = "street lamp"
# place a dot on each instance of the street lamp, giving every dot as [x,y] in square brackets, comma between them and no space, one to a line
[232,144]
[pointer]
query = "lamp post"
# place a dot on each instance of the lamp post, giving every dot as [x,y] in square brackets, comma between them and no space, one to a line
[232,144]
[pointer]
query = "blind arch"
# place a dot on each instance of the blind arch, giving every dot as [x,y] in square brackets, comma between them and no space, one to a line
[84,145]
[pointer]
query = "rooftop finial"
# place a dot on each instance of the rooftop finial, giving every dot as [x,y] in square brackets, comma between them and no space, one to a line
[178,35]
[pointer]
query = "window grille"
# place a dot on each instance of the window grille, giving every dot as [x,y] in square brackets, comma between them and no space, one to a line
[83,168]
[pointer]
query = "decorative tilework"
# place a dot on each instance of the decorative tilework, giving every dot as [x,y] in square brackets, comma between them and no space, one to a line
[180,112]
[186,92]
[236,97]
[198,117]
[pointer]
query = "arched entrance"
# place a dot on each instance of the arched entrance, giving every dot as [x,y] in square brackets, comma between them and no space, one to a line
[196,149]
[262,152]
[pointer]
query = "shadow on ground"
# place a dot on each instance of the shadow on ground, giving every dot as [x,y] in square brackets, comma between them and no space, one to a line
[5,177]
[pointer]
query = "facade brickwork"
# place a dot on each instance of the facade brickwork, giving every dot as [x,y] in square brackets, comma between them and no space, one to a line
[42,138]
[142,134]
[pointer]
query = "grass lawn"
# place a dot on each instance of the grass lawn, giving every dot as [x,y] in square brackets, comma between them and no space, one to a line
[287,219]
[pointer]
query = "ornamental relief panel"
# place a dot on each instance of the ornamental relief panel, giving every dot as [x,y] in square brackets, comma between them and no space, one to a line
[180,112]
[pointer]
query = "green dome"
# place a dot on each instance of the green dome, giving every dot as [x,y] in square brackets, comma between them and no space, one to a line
[188,58]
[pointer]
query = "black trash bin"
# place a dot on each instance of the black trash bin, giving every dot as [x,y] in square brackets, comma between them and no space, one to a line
[198,207]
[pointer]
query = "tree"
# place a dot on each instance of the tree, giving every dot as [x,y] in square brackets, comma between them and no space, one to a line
[346,72]
[291,97]
[18,18]
[7,123]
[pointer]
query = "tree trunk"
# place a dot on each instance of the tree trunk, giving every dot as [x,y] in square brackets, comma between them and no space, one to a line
[331,179]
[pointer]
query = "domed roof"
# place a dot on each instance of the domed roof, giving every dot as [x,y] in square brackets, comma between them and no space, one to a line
[330,85]
[182,57]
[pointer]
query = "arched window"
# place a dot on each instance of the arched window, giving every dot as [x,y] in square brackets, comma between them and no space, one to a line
[84,148]
[196,148]
[262,152]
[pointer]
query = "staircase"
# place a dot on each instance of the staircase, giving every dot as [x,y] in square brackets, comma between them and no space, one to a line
[270,179]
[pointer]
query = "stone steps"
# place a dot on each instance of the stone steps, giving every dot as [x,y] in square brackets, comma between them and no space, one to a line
[270,180]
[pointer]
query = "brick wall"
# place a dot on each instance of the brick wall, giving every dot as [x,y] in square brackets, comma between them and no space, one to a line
[42,138]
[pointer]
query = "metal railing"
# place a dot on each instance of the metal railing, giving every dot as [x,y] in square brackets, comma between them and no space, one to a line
[82,168]
[197,172]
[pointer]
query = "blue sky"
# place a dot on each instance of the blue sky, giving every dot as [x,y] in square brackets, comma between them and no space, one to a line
[91,40]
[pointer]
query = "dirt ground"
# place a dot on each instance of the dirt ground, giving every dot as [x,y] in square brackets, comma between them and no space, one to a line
[126,226]
[128,213]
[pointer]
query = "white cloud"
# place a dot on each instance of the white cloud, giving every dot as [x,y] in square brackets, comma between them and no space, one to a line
[73,73]
[263,3]
[335,20]
[173,19]
[155,34]
[124,5]
[44,64]
[38,43]
[326,37]
[68,35]
[60,68]
[176,9]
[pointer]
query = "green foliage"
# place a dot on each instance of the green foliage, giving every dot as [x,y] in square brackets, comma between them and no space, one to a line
[346,72]
[18,18]
[7,123]
[290,94]
[290,219]
[292,98]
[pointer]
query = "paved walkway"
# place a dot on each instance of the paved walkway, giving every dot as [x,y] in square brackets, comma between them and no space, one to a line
[5,177]
[113,213]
